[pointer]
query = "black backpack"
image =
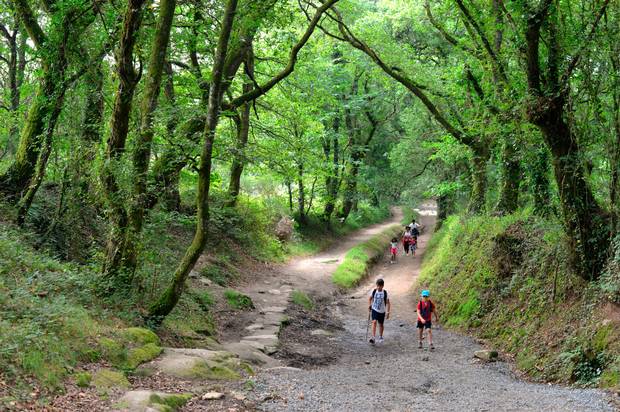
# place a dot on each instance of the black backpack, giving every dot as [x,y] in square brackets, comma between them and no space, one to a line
[385,298]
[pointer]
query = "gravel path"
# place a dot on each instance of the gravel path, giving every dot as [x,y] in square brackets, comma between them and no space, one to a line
[396,376]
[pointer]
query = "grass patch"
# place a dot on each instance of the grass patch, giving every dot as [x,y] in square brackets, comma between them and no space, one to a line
[300,298]
[358,260]
[238,300]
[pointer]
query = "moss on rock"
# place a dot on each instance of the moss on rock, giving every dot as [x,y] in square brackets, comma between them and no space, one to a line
[106,379]
[169,402]
[83,379]
[112,351]
[138,356]
[140,336]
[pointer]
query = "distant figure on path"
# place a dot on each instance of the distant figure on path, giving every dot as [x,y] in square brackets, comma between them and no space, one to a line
[393,249]
[407,239]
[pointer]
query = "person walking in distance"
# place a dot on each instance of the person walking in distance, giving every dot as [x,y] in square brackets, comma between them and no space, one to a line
[379,306]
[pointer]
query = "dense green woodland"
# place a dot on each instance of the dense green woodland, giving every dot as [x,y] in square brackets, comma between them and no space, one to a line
[137,136]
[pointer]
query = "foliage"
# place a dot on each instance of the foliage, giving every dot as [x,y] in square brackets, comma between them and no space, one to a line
[238,300]
[506,279]
[300,298]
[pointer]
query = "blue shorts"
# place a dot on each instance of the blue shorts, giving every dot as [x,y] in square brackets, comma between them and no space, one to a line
[379,317]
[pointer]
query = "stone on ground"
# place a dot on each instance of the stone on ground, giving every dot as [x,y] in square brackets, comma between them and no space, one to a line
[486,355]
[320,332]
[151,401]
[106,379]
[211,396]
[251,354]
[198,364]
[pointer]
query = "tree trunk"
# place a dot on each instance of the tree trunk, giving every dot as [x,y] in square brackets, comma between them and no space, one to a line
[142,148]
[243,131]
[17,177]
[478,180]
[540,184]
[332,181]
[90,135]
[350,191]
[168,300]
[511,173]
[585,222]
[46,149]
[289,188]
[301,195]
[113,279]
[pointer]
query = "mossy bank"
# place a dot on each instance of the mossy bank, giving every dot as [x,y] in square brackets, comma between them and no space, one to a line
[508,280]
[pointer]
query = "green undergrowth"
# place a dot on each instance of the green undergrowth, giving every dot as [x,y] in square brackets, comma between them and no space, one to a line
[507,280]
[238,300]
[53,319]
[359,259]
[316,235]
[302,299]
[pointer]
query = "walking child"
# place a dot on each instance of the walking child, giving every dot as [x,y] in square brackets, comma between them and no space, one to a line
[426,308]
[379,306]
[393,249]
[407,238]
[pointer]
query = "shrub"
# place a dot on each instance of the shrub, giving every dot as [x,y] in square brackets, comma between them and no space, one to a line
[238,300]
[300,298]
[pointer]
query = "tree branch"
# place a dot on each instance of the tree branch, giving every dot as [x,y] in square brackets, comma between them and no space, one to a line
[259,91]
[411,85]
[30,22]
[573,64]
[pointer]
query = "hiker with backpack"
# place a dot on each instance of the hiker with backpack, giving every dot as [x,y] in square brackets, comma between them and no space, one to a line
[426,308]
[379,309]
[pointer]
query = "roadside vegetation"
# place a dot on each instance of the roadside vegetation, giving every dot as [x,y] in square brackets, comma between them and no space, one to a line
[509,281]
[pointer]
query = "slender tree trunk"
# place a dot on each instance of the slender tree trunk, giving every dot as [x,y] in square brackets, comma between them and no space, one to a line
[113,278]
[243,131]
[15,53]
[17,177]
[46,149]
[142,148]
[168,300]
[333,179]
[90,134]
[350,190]
[540,185]
[289,188]
[478,179]
[511,172]
[301,194]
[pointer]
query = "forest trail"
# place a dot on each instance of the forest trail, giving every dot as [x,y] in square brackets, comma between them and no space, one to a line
[397,376]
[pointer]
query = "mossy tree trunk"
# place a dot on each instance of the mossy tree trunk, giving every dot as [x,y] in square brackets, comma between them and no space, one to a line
[331,149]
[113,277]
[143,144]
[540,184]
[477,197]
[586,223]
[168,300]
[511,173]
[243,132]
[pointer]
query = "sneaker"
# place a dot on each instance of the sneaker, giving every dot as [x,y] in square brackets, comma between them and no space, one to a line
[420,345]
[371,341]
[380,339]
[432,347]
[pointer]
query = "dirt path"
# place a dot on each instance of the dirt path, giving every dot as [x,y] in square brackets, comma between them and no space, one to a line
[396,376]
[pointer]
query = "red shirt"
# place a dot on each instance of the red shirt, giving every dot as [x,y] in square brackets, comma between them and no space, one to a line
[426,309]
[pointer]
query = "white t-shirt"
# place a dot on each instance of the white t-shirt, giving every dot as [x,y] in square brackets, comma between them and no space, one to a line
[378,303]
[394,244]
[414,225]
